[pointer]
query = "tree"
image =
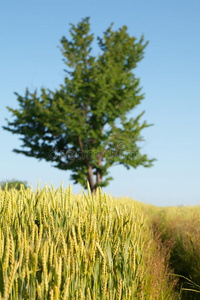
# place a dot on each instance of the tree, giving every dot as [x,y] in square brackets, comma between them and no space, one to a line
[10,184]
[83,126]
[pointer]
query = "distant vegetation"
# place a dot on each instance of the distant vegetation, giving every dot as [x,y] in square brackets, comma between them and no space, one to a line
[13,184]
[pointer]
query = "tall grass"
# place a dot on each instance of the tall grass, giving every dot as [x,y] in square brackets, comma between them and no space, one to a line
[54,245]
[181,225]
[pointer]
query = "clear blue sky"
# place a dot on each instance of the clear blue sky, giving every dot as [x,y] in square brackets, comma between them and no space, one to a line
[30,32]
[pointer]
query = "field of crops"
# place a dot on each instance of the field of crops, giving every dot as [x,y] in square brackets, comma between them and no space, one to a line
[54,245]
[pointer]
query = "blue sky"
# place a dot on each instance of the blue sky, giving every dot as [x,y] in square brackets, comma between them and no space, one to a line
[30,33]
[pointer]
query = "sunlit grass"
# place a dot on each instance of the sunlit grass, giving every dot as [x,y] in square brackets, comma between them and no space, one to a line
[54,245]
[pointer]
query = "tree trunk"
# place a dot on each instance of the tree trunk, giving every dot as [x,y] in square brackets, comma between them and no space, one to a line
[98,177]
[90,178]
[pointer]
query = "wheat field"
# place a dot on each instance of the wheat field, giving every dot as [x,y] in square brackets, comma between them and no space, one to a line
[54,245]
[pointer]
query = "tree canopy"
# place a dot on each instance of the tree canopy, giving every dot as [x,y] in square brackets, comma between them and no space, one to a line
[83,125]
[10,184]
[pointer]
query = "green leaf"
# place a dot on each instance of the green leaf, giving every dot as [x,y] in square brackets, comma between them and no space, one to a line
[109,253]
[125,256]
